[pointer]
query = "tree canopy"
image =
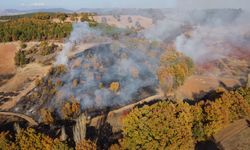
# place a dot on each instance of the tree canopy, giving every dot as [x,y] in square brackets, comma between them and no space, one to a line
[27,29]
[168,125]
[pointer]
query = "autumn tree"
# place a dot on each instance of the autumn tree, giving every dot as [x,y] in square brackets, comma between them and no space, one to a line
[163,125]
[46,116]
[5,143]
[174,68]
[58,70]
[29,139]
[245,92]
[71,109]
[114,87]
[85,145]
[212,116]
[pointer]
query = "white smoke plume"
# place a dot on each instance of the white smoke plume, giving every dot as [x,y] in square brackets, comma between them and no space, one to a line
[211,4]
[96,68]
[80,31]
[204,35]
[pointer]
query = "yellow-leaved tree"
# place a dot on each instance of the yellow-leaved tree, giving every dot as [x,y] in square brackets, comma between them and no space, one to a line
[163,125]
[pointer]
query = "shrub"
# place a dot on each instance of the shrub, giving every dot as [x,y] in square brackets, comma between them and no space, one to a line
[23,45]
[20,58]
[58,70]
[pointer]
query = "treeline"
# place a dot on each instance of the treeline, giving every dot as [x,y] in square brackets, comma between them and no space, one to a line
[47,15]
[170,125]
[30,139]
[27,29]
[40,26]
[162,125]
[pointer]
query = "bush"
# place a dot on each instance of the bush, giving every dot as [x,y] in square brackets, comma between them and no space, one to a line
[20,58]
[23,45]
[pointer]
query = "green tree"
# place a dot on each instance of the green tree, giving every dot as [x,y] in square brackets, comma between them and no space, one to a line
[20,58]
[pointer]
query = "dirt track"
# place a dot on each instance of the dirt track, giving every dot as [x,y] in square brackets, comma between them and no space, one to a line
[115,118]
[31,121]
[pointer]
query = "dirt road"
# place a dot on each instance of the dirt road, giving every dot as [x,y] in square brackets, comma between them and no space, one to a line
[31,121]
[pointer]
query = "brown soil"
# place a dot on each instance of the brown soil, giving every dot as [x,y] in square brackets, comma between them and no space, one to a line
[197,85]
[234,136]
[23,82]
[7,54]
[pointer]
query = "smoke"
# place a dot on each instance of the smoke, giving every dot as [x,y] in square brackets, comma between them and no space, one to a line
[79,33]
[211,4]
[215,39]
[204,35]
[91,72]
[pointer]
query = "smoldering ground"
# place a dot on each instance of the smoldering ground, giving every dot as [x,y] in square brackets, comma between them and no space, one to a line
[95,69]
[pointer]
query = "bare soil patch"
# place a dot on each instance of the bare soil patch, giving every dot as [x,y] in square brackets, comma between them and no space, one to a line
[24,76]
[197,85]
[22,83]
[7,54]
